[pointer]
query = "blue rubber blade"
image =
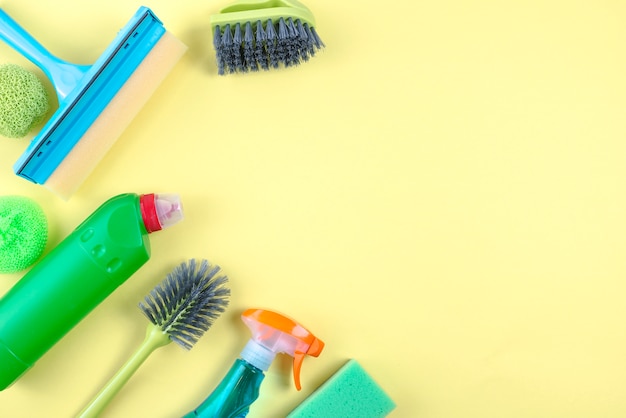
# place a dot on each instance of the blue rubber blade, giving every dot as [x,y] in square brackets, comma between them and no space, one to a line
[83,106]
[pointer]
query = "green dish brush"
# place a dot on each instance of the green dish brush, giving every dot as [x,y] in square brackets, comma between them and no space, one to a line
[181,309]
[250,35]
[23,101]
[23,233]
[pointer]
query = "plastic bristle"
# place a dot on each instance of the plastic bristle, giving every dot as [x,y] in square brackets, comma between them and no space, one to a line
[271,45]
[250,46]
[303,41]
[260,53]
[282,44]
[318,41]
[187,302]
[310,40]
[217,37]
[152,307]
[293,47]
[226,49]
[237,50]
[217,44]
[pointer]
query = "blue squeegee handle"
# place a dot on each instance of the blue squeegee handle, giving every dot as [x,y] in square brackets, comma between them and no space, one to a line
[65,76]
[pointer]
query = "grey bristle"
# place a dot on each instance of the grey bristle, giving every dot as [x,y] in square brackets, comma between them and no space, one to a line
[260,53]
[248,48]
[217,44]
[252,46]
[271,44]
[226,49]
[293,47]
[318,42]
[303,41]
[236,50]
[282,43]
[217,37]
[187,302]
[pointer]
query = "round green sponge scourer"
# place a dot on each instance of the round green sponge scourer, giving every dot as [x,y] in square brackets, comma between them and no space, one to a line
[23,101]
[23,233]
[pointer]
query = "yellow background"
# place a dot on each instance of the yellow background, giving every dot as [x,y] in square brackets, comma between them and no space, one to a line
[439,194]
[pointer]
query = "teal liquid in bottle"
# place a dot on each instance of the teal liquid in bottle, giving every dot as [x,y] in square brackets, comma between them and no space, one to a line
[272,333]
[235,393]
[79,273]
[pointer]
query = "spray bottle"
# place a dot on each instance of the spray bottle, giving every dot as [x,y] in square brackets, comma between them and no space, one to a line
[272,333]
[78,274]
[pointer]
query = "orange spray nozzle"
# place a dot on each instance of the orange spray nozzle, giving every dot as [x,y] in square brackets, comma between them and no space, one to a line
[273,333]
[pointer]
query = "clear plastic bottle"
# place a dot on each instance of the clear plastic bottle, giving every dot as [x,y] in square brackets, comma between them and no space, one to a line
[78,274]
[272,333]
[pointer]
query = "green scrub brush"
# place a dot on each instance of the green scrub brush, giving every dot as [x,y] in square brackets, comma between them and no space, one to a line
[23,101]
[181,309]
[250,35]
[23,233]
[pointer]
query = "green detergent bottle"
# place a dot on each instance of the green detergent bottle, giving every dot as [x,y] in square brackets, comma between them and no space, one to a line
[78,274]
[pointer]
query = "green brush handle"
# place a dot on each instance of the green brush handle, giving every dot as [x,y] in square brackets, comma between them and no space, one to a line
[155,338]
[241,5]
[253,10]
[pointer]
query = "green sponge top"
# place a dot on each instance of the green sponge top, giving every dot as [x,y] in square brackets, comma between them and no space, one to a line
[23,233]
[23,101]
[350,392]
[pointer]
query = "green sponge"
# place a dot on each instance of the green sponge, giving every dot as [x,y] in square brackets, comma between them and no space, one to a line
[23,233]
[23,101]
[350,392]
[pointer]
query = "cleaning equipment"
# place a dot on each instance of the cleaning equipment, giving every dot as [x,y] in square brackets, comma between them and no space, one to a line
[78,274]
[96,102]
[272,333]
[350,392]
[250,35]
[180,309]
[23,233]
[23,101]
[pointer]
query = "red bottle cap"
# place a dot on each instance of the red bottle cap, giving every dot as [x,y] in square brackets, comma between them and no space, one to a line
[160,210]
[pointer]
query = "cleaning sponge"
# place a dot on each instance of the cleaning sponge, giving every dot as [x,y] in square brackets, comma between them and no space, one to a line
[350,392]
[23,233]
[23,101]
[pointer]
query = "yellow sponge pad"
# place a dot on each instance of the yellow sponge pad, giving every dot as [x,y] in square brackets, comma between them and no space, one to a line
[108,127]
[23,101]
[23,233]
[350,392]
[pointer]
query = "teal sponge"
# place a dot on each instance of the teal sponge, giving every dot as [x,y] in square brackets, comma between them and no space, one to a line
[23,233]
[23,101]
[350,392]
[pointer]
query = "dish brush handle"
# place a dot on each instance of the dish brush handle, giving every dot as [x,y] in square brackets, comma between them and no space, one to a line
[243,5]
[155,338]
[65,76]
[254,10]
